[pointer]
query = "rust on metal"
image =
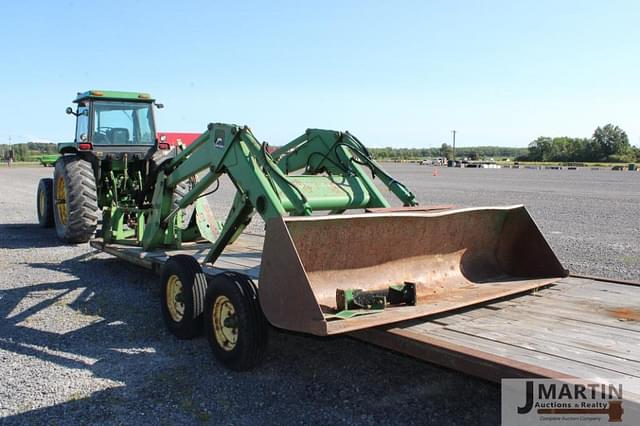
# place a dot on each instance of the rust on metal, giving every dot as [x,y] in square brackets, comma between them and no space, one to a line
[456,258]
[437,207]
[625,314]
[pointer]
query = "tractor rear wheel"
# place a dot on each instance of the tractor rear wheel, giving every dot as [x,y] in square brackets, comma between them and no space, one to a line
[234,323]
[183,291]
[44,202]
[75,198]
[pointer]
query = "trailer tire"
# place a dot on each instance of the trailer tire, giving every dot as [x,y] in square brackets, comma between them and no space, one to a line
[184,286]
[44,202]
[75,198]
[235,326]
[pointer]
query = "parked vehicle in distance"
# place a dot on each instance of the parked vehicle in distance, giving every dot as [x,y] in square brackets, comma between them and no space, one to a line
[48,160]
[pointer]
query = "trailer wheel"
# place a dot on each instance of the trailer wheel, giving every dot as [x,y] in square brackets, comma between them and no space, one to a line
[234,323]
[183,292]
[75,198]
[44,202]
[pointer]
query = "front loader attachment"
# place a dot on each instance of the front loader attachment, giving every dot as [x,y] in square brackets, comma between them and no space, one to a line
[333,274]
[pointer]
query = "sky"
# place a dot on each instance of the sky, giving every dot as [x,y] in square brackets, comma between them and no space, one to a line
[401,74]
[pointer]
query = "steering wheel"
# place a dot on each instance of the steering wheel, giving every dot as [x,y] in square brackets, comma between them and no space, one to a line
[103,130]
[100,135]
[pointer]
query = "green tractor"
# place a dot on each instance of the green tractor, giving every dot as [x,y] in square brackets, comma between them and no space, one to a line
[104,174]
[336,255]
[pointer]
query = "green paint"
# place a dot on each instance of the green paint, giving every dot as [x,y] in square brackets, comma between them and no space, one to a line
[320,171]
[48,159]
[114,95]
[350,313]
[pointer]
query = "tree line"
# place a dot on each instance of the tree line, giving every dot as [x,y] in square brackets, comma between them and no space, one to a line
[25,151]
[608,143]
[446,151]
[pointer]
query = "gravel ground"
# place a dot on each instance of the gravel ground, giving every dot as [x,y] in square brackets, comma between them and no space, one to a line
[82,341]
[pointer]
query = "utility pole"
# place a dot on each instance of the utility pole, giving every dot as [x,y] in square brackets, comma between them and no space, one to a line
[10,158]
[454,145]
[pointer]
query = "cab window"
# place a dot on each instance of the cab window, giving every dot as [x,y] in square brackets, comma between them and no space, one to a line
[123,123]
[82,123]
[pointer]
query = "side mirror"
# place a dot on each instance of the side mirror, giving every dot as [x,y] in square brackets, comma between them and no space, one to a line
[69,110]
[158,105]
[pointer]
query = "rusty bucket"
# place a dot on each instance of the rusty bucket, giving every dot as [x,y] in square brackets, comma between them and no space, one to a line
[451,259]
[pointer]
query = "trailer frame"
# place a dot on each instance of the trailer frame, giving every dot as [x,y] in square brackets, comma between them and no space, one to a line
[429,338]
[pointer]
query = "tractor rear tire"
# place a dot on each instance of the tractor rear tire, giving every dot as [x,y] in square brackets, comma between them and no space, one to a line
[235,326]
[184,286]
[44,202]
[75,198]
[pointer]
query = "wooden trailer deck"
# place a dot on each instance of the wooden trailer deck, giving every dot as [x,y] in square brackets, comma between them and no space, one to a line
[578,327]
[575,328]
[243,256]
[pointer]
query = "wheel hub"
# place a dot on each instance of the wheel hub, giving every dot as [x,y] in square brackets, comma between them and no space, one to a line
[175,298]
[41,201]
[61,200]
[225,323]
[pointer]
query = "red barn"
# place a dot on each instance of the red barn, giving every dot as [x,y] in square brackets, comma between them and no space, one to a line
[173,138]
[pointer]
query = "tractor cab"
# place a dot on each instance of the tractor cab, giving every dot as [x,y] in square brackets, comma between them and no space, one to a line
[109,122]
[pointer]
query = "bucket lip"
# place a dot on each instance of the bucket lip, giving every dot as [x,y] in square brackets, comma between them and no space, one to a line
[400,214]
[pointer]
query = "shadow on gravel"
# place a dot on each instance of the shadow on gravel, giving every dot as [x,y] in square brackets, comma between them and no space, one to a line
[111,328]
[26,235]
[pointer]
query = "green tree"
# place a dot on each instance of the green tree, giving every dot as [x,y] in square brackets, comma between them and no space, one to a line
[540,149]
[21,152]
[612,142]
[446,151]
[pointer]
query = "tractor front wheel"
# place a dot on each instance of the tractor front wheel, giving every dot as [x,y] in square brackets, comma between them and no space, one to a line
[234,323]
[183,290]
[75,199]
[44,202]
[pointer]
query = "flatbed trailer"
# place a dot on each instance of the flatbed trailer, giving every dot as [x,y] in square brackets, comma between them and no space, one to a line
[578,327]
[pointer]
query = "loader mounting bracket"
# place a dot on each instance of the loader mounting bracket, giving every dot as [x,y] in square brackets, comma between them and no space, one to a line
[376,299]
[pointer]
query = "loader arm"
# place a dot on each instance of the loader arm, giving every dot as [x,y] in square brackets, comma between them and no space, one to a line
[334,273]
[222,149]
[338,152]
[334,180]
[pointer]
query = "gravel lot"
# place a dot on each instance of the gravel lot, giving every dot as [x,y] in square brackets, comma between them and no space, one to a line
[82,341]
